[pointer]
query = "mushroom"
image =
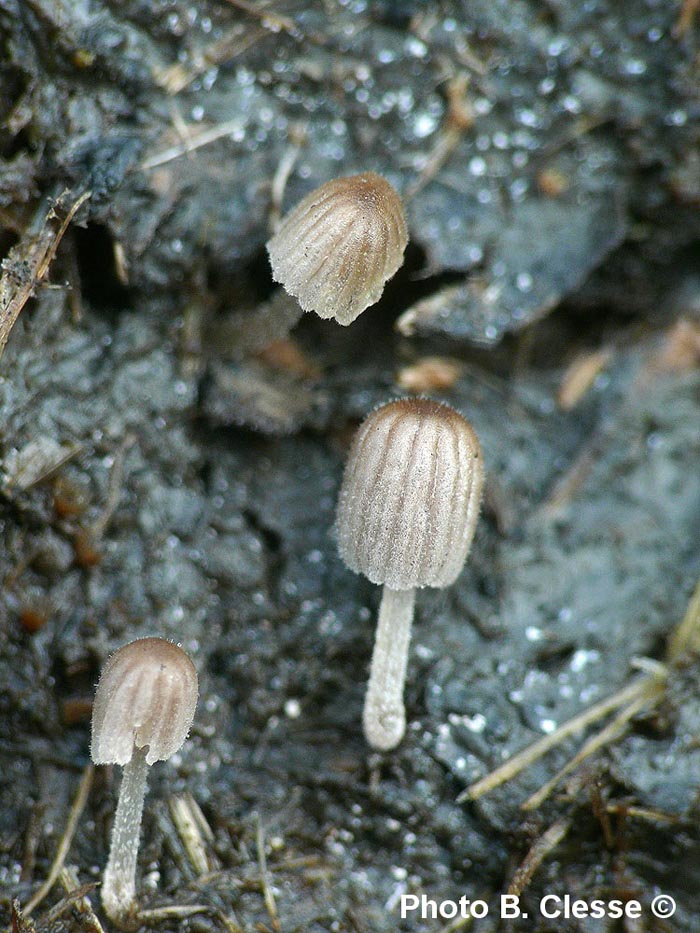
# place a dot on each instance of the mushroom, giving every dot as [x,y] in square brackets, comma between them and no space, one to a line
[144,707]
[338,247]
[407,512]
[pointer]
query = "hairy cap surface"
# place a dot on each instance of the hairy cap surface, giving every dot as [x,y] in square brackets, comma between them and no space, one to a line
[146,697]
[410,496]
[337,248]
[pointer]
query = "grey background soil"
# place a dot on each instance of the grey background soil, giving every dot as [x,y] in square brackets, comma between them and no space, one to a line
[162,475]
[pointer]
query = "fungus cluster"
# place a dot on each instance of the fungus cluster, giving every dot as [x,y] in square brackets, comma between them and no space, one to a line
[335,251]
[144,707]
[407,512]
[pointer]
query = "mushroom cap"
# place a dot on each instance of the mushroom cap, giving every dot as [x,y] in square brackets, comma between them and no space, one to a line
[410,496]
[337,248]
[146,696]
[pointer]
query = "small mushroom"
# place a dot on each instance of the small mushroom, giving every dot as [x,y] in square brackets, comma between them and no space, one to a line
[407,512]
[144,707]
[339,246]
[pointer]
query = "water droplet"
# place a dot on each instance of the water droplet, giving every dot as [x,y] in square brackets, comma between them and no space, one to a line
[581,658]
[424,124]
[635,66]
[527,117]
[571,104]
[209,78]
[677,118]
[557,46]
[518,189]
[416,48]
[476,723]
[523,282]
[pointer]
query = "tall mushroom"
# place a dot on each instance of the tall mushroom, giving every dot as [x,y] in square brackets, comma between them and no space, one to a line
[407,512]
[144,707]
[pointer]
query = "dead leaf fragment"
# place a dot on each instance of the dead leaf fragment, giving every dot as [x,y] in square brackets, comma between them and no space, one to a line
[430,374]
[580,376]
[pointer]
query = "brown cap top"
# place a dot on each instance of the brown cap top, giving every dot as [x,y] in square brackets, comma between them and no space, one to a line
[146,696]
[335,251]
[409,500]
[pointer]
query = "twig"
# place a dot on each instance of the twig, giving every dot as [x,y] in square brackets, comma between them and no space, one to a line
[18,922]
[685,640]
[459,119]
[194,142]
[69,883]
[172,912]
[297,137]
[532,753]
[114,489]
[643,813]
[268,894]
[194,831]
[29,261]
[275,22]
[176,78]
[542,847]
[684,644]
[686,17]
[31,842]
[607,735]
[66,840]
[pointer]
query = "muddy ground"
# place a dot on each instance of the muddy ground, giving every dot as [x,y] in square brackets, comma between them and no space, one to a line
[172,440]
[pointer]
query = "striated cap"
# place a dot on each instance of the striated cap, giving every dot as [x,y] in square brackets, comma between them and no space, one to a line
[409,500]
[146,696]
[336,250]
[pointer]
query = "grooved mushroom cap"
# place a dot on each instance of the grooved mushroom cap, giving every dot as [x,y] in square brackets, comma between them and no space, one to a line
[336,250]
[410,496]
[146,696]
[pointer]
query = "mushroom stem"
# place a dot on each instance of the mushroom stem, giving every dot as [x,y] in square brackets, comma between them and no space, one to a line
[384,718]
[119,881]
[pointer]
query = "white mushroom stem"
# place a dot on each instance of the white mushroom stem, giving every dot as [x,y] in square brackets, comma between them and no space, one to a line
[119,881]
[384,718]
